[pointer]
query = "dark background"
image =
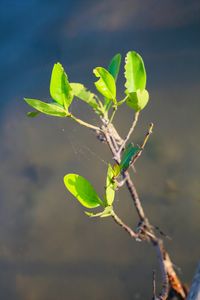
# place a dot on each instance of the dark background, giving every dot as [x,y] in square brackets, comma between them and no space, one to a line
[49,250]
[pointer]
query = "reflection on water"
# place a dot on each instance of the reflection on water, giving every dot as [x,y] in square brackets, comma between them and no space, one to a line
[48,248]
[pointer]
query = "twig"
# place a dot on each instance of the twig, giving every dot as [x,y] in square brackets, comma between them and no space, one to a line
[149,132]
[113,133]
[113,114]
[134,195]
[90,126]
[124,226]
[161,232]
[130,132]
[109,141]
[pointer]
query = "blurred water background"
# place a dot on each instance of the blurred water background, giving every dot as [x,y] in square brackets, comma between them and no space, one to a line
[49,250]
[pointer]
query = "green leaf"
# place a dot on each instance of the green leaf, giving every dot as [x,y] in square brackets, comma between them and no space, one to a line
[114,66]
[128,155]
[93,215]
[81,92]
[135,73]
[107,212]
[106,83]
[113,69]
[60,88]
[110,186]
[47,108]
[138,100]
[33,114]
[116,170]
[82,190]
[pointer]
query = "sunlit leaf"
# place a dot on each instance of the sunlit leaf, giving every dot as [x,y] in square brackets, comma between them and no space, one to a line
[113,69]
[106,83]
[135,73]
[128,155]
[93,215]
[110,186]
[116,170]
[82,190]
[138,100]
[105,213]
[81,92]
[47,108]
[114,66]
[60,88]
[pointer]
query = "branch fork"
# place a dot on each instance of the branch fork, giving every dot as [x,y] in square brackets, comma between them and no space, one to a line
[145,229]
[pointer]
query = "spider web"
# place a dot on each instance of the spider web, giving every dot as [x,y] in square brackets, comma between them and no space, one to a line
[81,150]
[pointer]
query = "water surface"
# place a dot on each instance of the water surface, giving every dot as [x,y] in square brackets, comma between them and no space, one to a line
[48,248]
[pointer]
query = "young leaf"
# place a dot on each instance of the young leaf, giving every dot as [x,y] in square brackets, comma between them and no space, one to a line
[128,155]
[80,91]
[93,215]
[116,170]
[114,66]
[33,114]
[135,73]
[106,83]
[113,69]
[105,213]
[47,108]
[110,186]
[138,100]
[60,89]
[82,190]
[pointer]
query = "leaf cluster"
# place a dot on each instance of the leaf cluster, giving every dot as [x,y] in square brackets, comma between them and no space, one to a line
[63,93]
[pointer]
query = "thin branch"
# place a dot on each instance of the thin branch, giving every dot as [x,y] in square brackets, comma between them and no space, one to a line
[123,225]
[134,195]
[109,141]
[113,114]
[90,126]
[114,134]
[130,132]
[161,232]
[149,132]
